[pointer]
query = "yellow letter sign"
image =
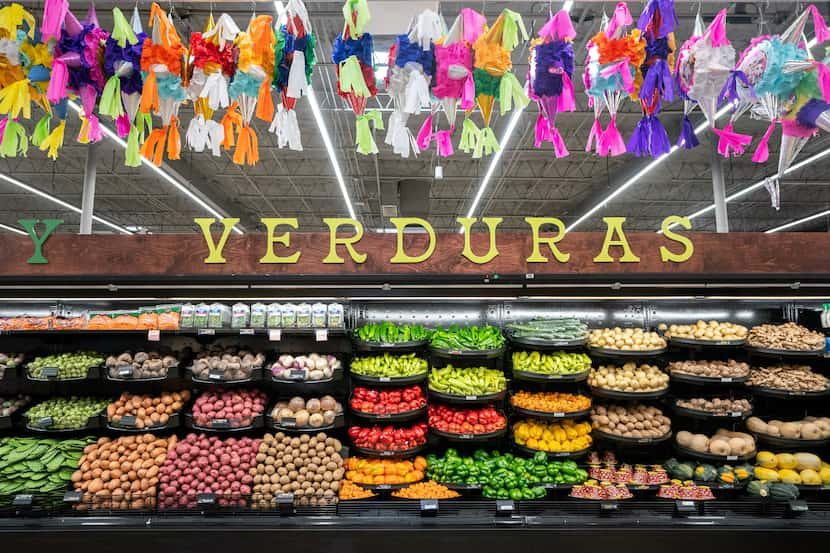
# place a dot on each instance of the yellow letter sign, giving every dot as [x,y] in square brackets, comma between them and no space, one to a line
[536,224]
[214,249]
[284,239]
[401,256]
[615,228]
[492,223]
[348,242]
[667,255]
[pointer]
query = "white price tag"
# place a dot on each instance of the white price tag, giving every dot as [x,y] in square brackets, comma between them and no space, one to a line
[322,334]
[153,335]
[275,334]
[246,332]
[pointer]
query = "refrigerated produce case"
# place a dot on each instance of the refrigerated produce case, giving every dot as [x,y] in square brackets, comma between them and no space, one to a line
[471,522]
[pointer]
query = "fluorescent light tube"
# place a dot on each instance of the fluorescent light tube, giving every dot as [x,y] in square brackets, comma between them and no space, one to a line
[12,229]
[58,201]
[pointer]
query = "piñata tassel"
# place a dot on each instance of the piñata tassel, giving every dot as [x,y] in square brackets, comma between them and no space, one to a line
[730,142]
[297,86]
[566,100]
[610,142]
[149,94]
[688,138]
[123,125]
[649,138]
[511,91]
[486,144]
[822,32]
[468,93]
[444,141]
[110,102]
[542,131]
[132,155]
[594,136]
[174,140]
[54,141]
[16,99]
[287,129]
[247,148]
[823,79]
[41,131]
[215,90]
[469,136]
[196,135]
[658,80]
[425,134]
[56,91]
[54,12]
[153,147]
[761,154]
[364,137]
[232,119]
[265,102]
[15,142]
[416,94]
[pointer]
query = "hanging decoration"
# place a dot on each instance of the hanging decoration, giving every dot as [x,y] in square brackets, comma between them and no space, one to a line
[551,78]
[250,89]
[611,72]
[703,65]
[122,93]
[25,63]
[294,64]
[656,25]
[353,54]
[210,68]
[767,82]
[454,82]
[493,79]
[411,66]
[163,92]
[77,67]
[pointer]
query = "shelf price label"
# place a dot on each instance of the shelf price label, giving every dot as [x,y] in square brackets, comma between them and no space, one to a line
[429,507]
[125,371]
[216,374]
[288,422]
[206,332]
[275,334]
[50,372]
[153,335]
[206,499]
[22,500]
[45,422]
[72,497]
[128,421]
[246,332]
[322,334]
[220,423]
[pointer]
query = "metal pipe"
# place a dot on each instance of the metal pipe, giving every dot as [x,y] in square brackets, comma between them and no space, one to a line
[718,189]
[88,197]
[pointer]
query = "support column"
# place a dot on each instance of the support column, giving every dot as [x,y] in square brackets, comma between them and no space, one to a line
[88,199]
[719,189]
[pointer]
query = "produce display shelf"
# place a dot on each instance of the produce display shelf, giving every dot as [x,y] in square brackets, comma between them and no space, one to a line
[705,456]
[92,373]
[790,443]
[787,394]
[393,454]
[258,421]
[542,377]
[707,380]
[389,380]
[626,353]
[386,487]
[173,373]
[456,399]
[553,454]
[172,424]
[462,487]
[540,344]
[361,345]
[785,352]
[391,417]
[624,440]
[551,414]
[92,423]
[703,344]
[256,376]
[461,437]
[467,354]
[181,331]
[605,393]
[300,387]
[706,415]
[270,422]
